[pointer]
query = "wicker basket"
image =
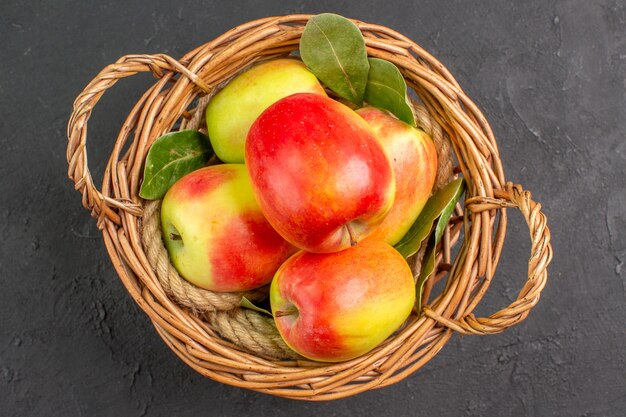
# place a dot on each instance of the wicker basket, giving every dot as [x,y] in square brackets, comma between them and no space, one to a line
[238,346]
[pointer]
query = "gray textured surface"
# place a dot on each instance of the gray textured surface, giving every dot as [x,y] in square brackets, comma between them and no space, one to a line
[549,76]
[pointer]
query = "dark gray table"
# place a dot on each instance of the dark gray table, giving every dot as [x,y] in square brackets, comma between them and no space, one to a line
[550,78]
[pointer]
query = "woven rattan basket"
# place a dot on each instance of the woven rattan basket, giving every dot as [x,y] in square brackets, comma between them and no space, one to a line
[238,346]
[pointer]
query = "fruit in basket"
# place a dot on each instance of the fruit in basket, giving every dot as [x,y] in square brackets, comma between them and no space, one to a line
[215,233]
[336,306]
[321,177]
[232,111]
[413,157]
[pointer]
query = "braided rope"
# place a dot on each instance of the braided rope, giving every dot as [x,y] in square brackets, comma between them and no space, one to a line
[252,331]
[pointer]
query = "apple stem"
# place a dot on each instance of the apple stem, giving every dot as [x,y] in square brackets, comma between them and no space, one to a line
[288,312]
[351,234]
[174,236]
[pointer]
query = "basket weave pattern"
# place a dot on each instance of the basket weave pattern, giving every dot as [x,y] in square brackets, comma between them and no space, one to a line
[198,335]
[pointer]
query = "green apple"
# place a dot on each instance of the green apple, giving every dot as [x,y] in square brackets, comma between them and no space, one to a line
[413,158]
[336,306]
[232,111]
[215,234]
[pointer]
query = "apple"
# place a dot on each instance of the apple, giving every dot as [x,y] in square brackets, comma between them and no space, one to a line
[232,111]
[333,307]
[321,177]
[215,232]
[413,157]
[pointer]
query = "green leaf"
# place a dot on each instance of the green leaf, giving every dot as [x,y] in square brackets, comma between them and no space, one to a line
[386,89]
[437,205]
[333,48]
[171,157]
[245,303]
[428,263]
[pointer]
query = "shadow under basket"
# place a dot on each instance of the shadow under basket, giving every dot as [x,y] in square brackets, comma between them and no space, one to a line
[238,346]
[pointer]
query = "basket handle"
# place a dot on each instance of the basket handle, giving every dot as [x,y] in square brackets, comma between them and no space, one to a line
[540,257]
[103,207]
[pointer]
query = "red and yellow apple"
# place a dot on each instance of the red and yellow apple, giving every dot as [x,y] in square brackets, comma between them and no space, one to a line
[321,177]
[216,236]
[413,157]
[336,306]
[232,111]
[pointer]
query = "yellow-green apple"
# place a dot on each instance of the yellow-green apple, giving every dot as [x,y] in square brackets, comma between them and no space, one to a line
[336,306]
[232,111]
[413,157]
[321,177]
[215,233]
